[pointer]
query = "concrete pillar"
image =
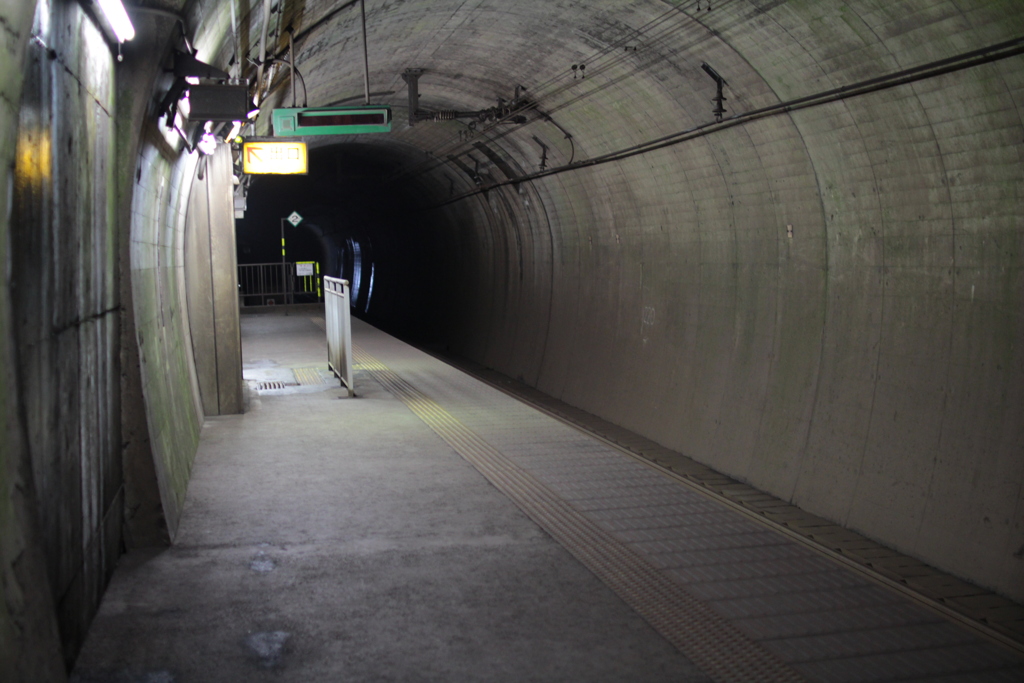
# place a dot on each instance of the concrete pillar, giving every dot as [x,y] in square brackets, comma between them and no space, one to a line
[211,285]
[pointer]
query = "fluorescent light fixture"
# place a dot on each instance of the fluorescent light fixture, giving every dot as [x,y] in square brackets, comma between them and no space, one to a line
[118,19]
[235,130]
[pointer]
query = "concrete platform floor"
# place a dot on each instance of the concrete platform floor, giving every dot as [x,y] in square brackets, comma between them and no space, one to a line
[435,529]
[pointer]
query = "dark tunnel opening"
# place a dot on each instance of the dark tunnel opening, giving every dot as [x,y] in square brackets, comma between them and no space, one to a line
[361,225]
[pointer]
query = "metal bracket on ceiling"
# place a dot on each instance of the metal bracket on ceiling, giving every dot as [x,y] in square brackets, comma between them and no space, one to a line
[185,66]
[544,153]
[477,178]
[412,79]
[719,98]
[504,112]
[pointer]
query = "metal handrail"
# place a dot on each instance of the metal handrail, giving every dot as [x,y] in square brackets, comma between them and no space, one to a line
[338,320]
[260,284]
[263,283]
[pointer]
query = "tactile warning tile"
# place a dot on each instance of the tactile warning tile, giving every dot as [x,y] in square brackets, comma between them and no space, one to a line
[319,322]
[309,376]
[993,616]
[706,638]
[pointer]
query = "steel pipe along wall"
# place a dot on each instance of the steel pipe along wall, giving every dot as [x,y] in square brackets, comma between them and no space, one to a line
[823,300]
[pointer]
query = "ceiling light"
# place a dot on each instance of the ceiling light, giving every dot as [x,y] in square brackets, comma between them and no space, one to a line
[118,19]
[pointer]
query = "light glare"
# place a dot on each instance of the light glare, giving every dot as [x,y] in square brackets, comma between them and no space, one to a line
[207,144]
[118,19]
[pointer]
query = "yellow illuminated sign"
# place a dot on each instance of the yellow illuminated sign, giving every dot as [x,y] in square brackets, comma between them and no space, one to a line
[284,158]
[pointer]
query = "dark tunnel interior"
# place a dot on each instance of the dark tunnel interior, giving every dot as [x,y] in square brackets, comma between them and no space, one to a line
[361,222]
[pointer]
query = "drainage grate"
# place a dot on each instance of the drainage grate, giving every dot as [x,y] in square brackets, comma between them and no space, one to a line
[269,386]
[711,642]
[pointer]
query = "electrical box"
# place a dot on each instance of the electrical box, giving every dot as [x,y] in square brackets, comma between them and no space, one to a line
[218,102]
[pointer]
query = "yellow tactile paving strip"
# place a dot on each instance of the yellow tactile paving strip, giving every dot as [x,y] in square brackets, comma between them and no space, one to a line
[991,615]
[710,641]
[309,376]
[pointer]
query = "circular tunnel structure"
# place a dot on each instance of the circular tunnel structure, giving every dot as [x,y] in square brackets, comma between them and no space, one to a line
[816,291]
[782,238]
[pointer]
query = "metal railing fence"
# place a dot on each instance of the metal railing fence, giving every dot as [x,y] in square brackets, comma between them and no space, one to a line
[263,284]
[339,330]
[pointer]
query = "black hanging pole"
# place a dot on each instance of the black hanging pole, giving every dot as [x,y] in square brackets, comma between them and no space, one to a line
[291,61]
[366,57]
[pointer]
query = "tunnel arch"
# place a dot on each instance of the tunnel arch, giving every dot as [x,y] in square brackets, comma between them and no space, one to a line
[771,295]
[819,295]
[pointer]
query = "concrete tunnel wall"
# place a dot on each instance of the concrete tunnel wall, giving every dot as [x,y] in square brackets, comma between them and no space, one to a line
[81,232]
[29,637]
[61,455]
[868,368]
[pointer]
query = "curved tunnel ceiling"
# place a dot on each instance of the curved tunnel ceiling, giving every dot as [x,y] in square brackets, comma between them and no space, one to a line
[820,295]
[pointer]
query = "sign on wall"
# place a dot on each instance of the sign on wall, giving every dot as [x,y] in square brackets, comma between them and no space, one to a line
[332,120]
[280,158]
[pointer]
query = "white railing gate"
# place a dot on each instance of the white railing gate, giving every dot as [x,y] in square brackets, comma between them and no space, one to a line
[339,330]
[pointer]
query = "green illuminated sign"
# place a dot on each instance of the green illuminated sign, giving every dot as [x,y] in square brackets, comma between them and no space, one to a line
[332,121]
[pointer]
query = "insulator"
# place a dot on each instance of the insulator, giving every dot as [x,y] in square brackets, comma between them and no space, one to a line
[446,115]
